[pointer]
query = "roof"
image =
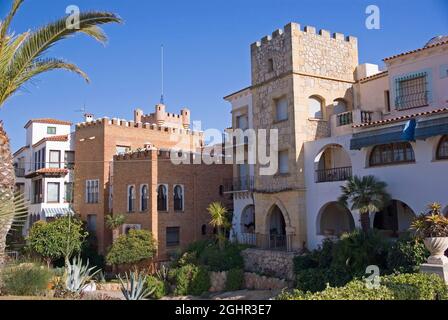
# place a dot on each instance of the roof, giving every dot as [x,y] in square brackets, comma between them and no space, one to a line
[48,171]
[237,92]
[436,44]
[48,121]
[20,150]
[62,138]
[374,76]
[401,118]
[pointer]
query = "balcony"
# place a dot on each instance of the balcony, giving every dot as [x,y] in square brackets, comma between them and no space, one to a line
[342,123]
[333,174]
[20,172]
[273,184]
[241,184]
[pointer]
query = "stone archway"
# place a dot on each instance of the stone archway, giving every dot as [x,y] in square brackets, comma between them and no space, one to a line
[278,228]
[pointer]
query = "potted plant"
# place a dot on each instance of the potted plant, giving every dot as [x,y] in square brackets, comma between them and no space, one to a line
[433,229]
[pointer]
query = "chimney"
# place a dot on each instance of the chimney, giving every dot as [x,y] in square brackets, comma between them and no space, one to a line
[88,117]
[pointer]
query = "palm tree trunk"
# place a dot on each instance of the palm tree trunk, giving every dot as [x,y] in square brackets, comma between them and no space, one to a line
[365,222]
[7,182]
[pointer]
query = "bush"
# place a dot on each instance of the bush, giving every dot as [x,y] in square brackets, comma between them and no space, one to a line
[217,260]
[160,287]
[235,279]
[317,279]
[26,280]
[131,248]
[191,280]
[406,255]
[417,286]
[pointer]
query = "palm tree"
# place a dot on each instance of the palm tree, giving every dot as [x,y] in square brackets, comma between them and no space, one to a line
[219,220]
[366,194]
[22,59]
[114,223]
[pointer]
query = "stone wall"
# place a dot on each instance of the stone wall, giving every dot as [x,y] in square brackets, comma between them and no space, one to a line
[277,264]
[252,281]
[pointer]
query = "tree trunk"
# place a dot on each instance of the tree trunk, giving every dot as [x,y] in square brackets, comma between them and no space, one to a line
[115,234]
[365,222]
[7,182]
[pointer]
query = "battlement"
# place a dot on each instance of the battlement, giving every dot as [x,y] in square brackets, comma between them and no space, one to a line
[162,154]
[138,126]
[292,27]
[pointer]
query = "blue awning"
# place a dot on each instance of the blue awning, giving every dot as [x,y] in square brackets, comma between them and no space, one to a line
[432,127]
[55,212]
[393,134]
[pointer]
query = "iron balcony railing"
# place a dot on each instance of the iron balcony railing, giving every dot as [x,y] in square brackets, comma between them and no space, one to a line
[334,174]
[20,172]
[245,183]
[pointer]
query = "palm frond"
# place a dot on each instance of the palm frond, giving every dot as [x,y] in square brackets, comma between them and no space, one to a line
[13,210]
[4,26]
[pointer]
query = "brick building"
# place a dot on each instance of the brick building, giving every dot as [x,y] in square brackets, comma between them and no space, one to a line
[98,141]
[169,200]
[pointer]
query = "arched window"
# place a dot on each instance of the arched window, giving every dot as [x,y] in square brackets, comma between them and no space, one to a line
[315,109]
[162,198]
[131,197]
[204,229]
[178,198]
[391,153]
[144,195]
[442,148]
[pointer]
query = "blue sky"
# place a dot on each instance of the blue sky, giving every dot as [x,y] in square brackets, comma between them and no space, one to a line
[206,51]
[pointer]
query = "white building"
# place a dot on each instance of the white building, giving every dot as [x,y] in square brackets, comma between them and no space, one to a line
[370,140]
[392,124]
[44,168]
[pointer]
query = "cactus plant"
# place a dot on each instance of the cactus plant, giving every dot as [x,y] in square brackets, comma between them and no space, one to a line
[133,286]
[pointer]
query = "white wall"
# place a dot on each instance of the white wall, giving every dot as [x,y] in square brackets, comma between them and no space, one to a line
[416,184]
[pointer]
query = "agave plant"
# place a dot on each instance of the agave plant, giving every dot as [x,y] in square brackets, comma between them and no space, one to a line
[163,273]
[78,276]
[134,287]
[432,224]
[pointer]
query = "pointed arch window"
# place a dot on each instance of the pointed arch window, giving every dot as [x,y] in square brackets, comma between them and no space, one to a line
[178,198]
[162,198]
[144,195]
[131,198]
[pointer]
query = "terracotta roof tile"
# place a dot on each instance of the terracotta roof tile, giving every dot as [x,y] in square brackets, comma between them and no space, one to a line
[416,50]
[47,120]
[62,138]
[374,76]
[396,119]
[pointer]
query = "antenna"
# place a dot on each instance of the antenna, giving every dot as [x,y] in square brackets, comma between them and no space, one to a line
[83,110]
[162,73]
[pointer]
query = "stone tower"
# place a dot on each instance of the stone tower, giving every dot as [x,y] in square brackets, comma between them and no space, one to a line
[296,67]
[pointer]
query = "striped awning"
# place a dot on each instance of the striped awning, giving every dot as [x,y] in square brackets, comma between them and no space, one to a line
[431,127]
[379,136]
[55,212]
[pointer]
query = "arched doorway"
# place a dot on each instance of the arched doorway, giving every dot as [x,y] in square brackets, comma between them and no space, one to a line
[248,219]
[334,220]
[396,218]
[277,229]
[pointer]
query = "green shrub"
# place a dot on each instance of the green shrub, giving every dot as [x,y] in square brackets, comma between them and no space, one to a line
[416,286]
[355,290]
[191,280]
[317,279]
[131,248]
[25,280]
[217,260]
[160,287]
[235,279]
[200,282]
[406,255]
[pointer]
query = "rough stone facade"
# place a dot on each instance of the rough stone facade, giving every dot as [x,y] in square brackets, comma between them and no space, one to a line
[278,264]
[96,144]
[252,281]
[295,64]
[152,167]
